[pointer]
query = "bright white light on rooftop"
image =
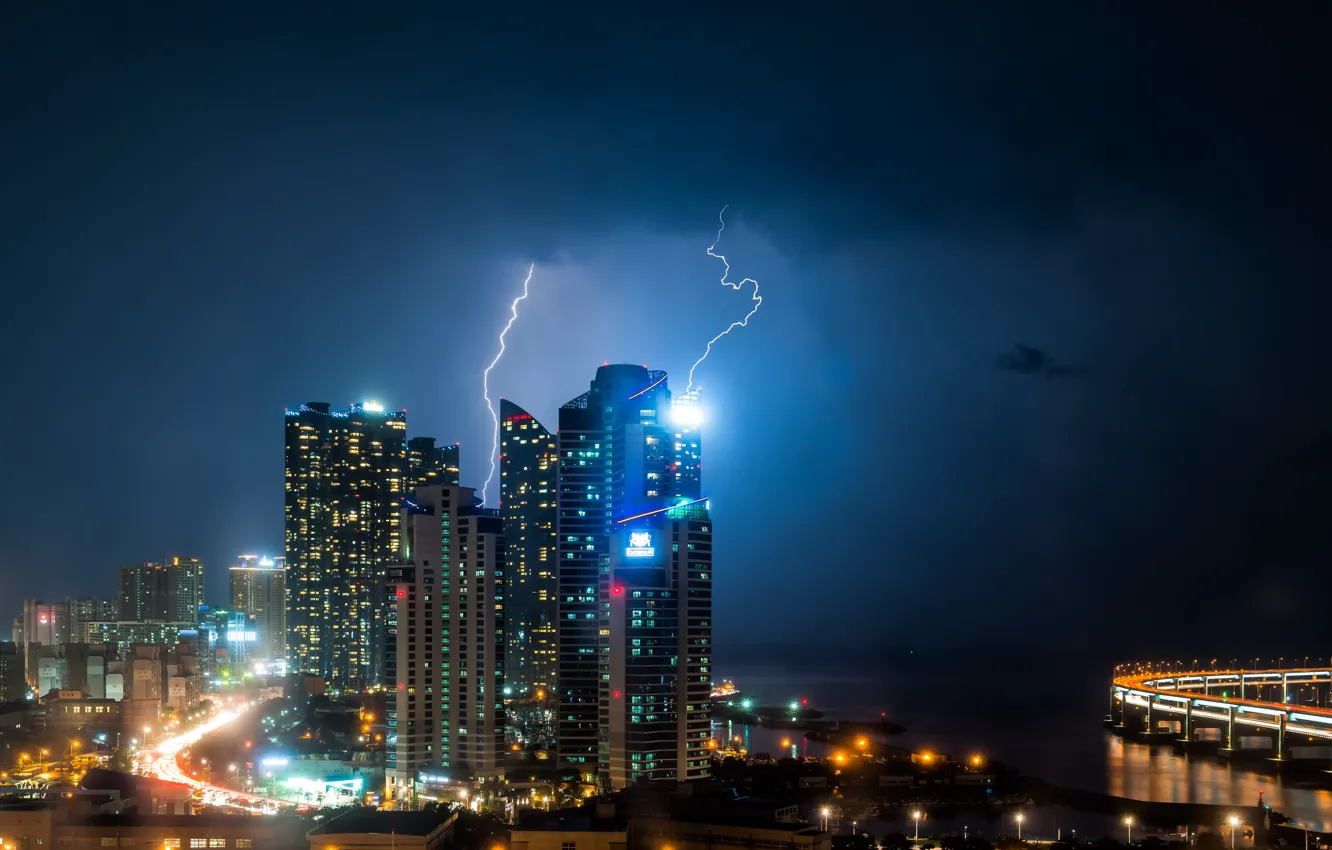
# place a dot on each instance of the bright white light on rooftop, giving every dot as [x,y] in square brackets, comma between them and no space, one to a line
[687,415]
[373,407]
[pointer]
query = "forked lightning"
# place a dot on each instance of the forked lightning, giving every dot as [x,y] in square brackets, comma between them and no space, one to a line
[485,381]
[756,298]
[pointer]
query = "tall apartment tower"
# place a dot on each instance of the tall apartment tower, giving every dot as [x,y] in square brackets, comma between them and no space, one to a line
[446,529]
[185,589]
[529,463]
[84,612]
[13,680]
[685,426]
[412,656]
[618,457]
[44,624]
[172,591]
[346,474]
[429,464]
[143,593]
[258,589]
[660,647]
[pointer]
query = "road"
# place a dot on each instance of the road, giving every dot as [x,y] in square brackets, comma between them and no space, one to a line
[160,762]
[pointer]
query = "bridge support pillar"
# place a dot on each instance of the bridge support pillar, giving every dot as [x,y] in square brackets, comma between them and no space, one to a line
[1188,721]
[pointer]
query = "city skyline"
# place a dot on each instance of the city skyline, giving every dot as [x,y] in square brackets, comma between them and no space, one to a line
[1140,193]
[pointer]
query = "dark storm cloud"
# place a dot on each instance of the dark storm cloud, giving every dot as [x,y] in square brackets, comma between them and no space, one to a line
[216,213]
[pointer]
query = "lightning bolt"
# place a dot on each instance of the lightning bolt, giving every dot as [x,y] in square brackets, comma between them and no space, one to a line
[485,382]
[756,298]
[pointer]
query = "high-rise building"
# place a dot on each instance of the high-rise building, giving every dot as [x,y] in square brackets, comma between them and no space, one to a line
[429,464]
[660,647]
[124,634]
[172,591]
[687,465]
[529,464]
[226,642]
[82,613]
[258,589]
[13,684]
[412,656]
[45,624]
[446,529]
[185,589]
[143,593]
[346,472]
[618,460]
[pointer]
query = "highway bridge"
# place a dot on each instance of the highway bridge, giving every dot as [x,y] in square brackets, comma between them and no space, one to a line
[1280,713]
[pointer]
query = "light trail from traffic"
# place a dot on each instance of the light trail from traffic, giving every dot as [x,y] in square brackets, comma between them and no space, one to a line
[161,763]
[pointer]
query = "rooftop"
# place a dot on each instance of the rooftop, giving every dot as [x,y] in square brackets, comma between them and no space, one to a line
[129,785]
[372,821]
[199,821]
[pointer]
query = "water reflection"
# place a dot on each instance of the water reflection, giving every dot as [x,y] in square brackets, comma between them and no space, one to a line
[1133,770]
[1159,774]
[1066,746]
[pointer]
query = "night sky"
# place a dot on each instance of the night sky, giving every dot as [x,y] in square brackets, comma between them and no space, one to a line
[211,214]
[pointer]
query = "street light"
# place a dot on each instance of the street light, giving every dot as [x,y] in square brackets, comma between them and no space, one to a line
[1018,818]
[825,812]
[1128,822]
[1234,825]
[915,816]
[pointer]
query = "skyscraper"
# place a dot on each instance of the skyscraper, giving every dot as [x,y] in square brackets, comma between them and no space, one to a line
[412,655]
[446,530]
[685,424]
[84,612]
[185,589]
[618,457]
[13,683]
[429,464]
[258,590]
[45,624]
[659,639]
[346,472]
[529,464]
[143,592]
[172,591]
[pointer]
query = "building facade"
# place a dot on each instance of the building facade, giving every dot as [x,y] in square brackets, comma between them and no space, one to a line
[143,593]
[619,454]
[44,624]
[445,529]
[185,589]
[84,612]
[529,464]
[428,464]
[346,474]
[258,589]
[412,659]
[659,636]
[121,635]
[13,682]
[227,643]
